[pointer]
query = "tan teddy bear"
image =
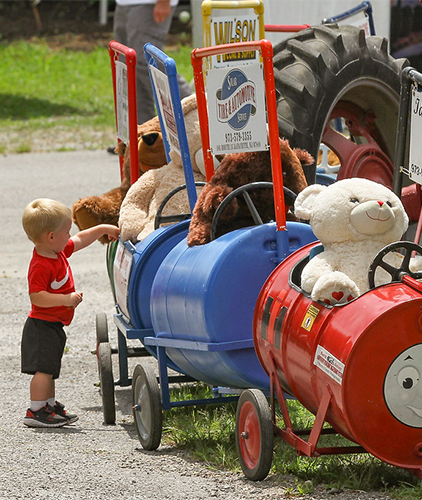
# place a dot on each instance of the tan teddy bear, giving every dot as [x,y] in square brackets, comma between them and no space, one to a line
[93,210]
[139,208]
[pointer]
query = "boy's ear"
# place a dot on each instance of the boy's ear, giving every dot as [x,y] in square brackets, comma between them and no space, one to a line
[50,236]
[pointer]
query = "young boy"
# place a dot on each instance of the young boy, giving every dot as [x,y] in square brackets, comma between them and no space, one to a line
[53,298]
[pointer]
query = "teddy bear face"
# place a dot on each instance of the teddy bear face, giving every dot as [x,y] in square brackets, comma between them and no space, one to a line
[352,210]
[151,151]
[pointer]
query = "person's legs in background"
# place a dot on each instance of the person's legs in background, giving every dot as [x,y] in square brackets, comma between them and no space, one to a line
[141,28]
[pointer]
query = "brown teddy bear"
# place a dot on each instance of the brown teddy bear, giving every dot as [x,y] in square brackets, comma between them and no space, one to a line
[238,169]
[92,210]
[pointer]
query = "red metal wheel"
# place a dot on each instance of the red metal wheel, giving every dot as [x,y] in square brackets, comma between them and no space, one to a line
[254,434]
[360,146]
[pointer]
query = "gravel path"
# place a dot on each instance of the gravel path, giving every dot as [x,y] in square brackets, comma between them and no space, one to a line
[86,460]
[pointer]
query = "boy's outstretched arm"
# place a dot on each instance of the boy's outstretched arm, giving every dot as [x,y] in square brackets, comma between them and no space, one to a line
[87,236]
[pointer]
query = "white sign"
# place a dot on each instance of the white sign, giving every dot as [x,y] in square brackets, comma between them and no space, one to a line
[122,105]
[415,155]
[329,364]
[162,89]
[121,272]
[233,30]
[236,109]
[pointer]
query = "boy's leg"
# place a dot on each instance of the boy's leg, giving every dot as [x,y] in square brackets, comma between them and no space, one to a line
[42,387]
[40,413]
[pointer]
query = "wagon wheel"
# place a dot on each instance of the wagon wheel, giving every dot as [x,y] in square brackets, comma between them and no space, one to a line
[106,383]
[254,434]
[146,399]
[101,329]
[395,272]
[334,74]
[164,219]
[244,192]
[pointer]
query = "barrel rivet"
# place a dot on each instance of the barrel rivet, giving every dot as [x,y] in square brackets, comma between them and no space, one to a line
[418,450]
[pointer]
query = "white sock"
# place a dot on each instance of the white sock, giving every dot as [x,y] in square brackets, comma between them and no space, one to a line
[37,405]
[51,401]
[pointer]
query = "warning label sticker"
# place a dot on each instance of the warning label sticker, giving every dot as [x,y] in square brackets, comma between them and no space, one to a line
[329,364]
[310,317]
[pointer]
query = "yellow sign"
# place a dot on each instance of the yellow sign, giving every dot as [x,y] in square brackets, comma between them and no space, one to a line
[310,317]
[237,26]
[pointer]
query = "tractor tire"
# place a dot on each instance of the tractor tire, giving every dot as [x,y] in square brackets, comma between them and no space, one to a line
[330,72]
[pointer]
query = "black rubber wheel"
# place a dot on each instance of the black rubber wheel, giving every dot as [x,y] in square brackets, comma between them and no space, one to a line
[147,412]
[244,192]
[106,383]
[101,328]
[254,434]
[165,219]
[395,272]
[331,74]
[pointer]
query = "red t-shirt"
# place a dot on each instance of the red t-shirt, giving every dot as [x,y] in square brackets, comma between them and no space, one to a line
[53,276]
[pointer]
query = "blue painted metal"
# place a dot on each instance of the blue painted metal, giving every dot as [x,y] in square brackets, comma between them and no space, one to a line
[362,7]
[203,299]
[154,57]
[147,258]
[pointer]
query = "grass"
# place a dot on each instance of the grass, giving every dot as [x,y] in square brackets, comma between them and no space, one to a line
[208,433]
[58,99]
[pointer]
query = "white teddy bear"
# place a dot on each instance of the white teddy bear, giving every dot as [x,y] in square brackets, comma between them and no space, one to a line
[353,219]
[138,210]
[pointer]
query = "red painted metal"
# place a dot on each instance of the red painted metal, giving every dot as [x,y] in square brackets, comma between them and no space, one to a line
[364,155]
[116,50]
[282,28]
[338,362]
[249,424]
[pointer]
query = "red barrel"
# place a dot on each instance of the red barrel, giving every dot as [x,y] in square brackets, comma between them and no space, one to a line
[368,352]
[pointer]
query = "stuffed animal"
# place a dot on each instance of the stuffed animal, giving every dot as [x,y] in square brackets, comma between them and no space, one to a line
[139,208]
[92,210]
[353,219]
[238,169]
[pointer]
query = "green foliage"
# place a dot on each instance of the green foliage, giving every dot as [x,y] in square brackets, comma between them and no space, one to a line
[208,431]
[48,94]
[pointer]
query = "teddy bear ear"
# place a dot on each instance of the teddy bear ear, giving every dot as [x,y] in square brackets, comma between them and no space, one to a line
[305,201]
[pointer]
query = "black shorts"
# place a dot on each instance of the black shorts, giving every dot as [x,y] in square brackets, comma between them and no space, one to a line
[42,347]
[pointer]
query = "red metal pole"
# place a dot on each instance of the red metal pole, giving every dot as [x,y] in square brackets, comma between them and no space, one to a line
[281,28]
[116,48]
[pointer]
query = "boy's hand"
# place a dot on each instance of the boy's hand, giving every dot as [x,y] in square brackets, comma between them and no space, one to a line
[75,298]
[112,232]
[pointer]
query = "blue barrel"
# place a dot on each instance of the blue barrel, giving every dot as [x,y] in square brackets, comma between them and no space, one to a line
[146,259]
[147,256]
[208,294]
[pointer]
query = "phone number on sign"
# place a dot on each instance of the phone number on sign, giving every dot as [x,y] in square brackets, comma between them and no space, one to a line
[415,170]
[238,136]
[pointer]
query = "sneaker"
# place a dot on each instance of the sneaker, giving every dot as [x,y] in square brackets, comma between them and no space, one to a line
[44,417]
[58,409]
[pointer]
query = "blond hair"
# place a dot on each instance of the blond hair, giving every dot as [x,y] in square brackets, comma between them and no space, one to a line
[42,216]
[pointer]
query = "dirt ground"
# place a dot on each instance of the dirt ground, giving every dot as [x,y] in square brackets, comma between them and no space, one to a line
[67,24]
